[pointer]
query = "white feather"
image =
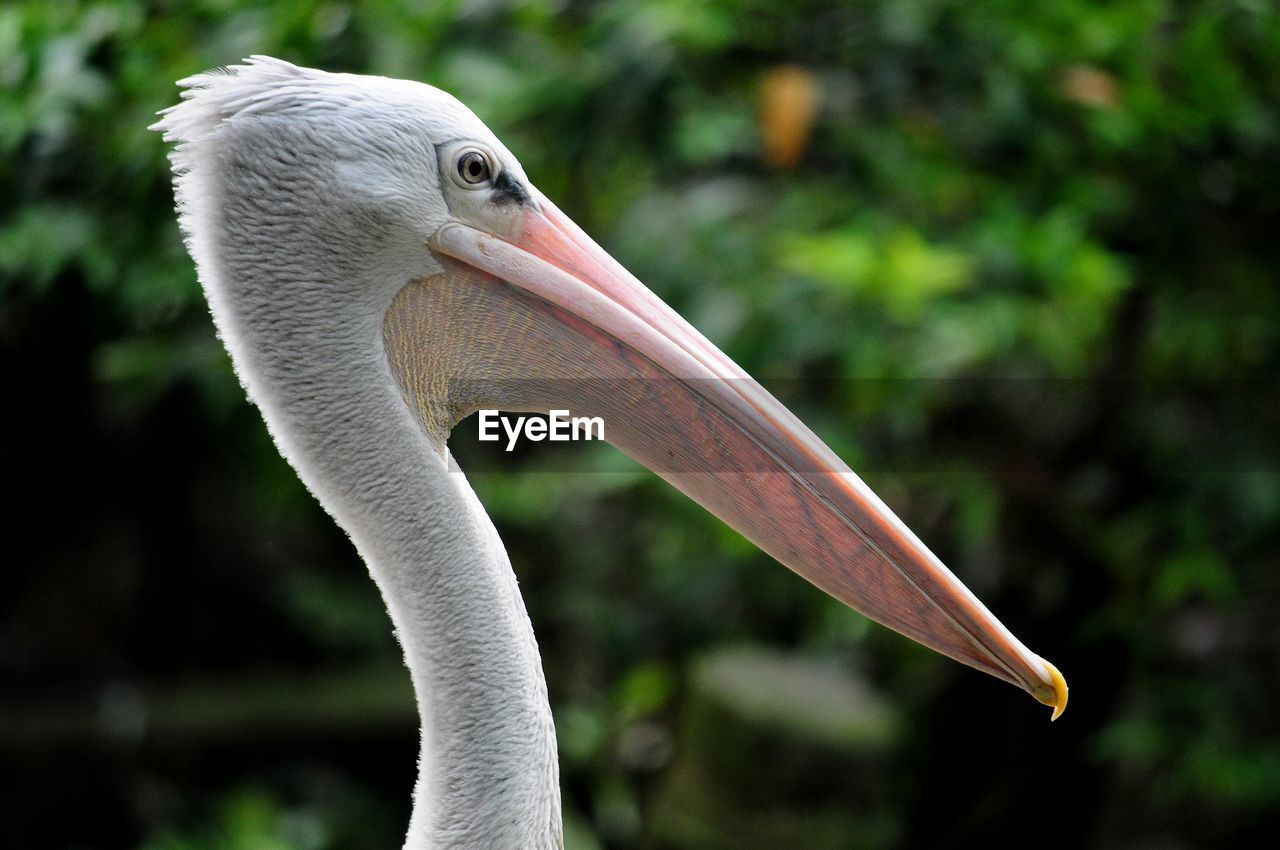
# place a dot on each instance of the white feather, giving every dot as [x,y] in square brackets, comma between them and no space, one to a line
[305,199]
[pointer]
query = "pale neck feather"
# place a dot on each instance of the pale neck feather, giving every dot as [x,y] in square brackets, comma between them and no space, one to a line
[299,301]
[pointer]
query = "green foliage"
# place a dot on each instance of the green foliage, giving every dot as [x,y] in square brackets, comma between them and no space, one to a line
[251,820]
[1024,277]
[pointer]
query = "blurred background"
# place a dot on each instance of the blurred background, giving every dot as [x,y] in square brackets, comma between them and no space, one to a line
[1017,263]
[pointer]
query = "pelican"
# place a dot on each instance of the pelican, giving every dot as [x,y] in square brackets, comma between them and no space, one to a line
[379,266]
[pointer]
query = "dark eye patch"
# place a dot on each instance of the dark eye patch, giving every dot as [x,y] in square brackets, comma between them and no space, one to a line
[507,190]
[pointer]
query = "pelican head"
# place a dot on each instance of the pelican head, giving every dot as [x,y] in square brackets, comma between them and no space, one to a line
[380,266]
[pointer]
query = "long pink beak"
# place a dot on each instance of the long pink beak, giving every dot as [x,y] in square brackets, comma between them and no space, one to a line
[549,319]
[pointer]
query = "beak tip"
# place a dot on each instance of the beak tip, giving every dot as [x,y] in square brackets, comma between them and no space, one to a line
[1054,692]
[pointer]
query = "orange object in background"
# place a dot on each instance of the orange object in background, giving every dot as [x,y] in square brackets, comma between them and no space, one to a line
[1089,86]
[788,108]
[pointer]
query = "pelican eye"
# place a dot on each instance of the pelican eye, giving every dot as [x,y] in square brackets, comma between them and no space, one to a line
[474,169]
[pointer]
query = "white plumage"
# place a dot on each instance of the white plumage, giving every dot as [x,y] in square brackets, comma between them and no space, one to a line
[278,214]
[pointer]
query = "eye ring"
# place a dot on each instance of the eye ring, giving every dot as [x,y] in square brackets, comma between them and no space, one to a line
[473,168]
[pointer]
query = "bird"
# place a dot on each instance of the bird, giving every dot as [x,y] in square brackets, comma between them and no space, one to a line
[379,267]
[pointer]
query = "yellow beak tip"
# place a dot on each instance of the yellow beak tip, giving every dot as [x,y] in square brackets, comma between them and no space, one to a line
[1053,693]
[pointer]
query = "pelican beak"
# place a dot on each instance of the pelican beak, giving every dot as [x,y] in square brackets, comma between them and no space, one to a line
[548,319]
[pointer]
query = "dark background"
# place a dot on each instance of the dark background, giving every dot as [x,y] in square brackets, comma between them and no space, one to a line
[1017,264]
